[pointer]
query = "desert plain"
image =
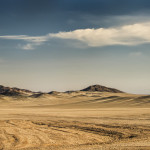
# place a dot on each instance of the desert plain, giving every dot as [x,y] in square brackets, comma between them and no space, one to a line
[77,120]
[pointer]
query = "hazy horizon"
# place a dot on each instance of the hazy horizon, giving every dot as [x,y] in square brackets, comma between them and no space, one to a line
[68,45]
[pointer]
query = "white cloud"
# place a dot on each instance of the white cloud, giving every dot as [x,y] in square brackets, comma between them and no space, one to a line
[32,41]
[27,46]
[134,34]
[36,39]
[125,35]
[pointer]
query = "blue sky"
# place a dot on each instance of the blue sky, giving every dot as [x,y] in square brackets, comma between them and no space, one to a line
[70,44]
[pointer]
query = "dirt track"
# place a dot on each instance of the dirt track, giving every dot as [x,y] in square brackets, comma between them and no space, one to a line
[44,124]
[76,129]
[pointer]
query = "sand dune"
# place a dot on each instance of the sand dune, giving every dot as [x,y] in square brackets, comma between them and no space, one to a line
[79,99]
[77,120]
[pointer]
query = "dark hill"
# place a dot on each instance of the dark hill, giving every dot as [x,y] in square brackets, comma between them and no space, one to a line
[13,91]
[54,92]
[100,88]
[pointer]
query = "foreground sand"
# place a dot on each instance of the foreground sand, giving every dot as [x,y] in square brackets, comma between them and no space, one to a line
[47,124]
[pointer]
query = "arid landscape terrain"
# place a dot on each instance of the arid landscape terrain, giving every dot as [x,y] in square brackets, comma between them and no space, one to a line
[57,58]
[94,118]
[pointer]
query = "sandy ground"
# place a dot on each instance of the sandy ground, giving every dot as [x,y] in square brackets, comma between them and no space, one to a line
[69,123]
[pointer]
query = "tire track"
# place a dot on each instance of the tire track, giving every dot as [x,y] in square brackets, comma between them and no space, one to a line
[28,134]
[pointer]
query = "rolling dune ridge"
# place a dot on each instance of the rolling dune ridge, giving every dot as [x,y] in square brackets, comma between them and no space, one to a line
[74,120]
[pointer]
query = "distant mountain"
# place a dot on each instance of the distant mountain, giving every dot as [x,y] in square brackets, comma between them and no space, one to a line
[100,88]
[54,92]
[23,92]
[13,91]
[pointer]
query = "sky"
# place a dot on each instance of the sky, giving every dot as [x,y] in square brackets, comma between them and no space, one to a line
[65,45]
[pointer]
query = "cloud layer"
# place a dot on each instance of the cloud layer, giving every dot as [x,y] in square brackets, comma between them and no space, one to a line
[134,34]
[125,35]
[32,41]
